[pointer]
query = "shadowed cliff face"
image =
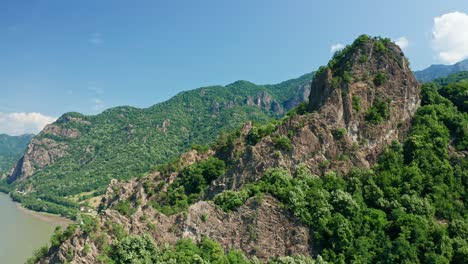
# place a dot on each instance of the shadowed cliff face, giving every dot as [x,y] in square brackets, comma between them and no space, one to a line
[359,104]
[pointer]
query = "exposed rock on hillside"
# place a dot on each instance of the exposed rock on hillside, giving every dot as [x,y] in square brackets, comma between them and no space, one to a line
[40,153]
[124,142]
[361,103]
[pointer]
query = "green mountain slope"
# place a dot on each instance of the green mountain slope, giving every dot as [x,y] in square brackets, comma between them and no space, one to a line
[409,205]
[11,149]
[79,154]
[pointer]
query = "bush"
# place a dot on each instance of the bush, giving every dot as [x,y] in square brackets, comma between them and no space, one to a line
[301,109]
[230,200]
[339,133]
[134,249]
[363,58]
[380,78]
[378,112]
[259,132]
[125,208]
[356,103]
[282,142]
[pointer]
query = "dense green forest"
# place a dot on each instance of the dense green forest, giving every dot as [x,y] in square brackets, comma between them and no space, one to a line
[126,142]
[411,207]
[11,149]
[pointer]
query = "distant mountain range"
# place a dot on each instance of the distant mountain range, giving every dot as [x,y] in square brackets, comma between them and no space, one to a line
[439,70]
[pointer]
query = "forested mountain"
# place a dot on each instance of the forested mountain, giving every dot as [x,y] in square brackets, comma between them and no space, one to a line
[440,70]
[11,149]
[75,158]
[372,169]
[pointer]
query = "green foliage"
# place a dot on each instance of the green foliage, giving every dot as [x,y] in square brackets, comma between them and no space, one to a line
[356,103]
[125,142]
[11,149]
[457,93]
[37,255]
[260,131]
[230,200]
[88,223]
[363,59]
[125,207]
[380,78]
[347,76]
[282,142]
[189,186]
[59,237]
[142,249]
[339,133]
[410,208]
[45,203]
[456,77]
[134,249]
[378,112]
[301,109]
[200,148]
[380,47]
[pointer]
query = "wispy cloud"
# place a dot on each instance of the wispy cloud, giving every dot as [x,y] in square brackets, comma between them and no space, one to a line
[98,104]
[402,42]
[22,123]
[450,37]
[336,47]
[96,39]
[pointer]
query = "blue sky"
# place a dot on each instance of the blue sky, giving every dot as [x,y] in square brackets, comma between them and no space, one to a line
[88,55]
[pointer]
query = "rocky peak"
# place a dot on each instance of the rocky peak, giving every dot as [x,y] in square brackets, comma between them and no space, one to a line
[361,102]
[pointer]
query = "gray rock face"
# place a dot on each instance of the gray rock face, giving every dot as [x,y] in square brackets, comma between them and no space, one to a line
[40,153]
[337,135]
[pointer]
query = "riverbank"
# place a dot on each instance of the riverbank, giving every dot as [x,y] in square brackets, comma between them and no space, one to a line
[43,216]
[56,220]
[23,231]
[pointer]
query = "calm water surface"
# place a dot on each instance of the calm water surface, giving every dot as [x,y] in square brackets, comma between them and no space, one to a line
[22,231]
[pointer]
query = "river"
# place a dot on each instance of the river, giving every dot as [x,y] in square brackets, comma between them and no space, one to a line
[23,231]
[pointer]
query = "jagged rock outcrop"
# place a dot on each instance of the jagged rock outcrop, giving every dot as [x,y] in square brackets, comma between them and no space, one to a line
[357,106]
[261,227]
[40,153]
[344,130]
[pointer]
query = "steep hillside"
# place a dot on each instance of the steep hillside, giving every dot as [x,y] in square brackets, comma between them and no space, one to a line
[75,158]
[278,190]
[11,149]
[438,71]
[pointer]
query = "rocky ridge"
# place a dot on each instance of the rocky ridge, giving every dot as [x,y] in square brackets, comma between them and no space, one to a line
[337,135]
[88,151]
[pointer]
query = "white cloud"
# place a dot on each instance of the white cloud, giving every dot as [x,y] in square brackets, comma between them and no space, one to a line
[22,123]
[402,42]
[98,104]
[96,39]
[450,37]
[336,47]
